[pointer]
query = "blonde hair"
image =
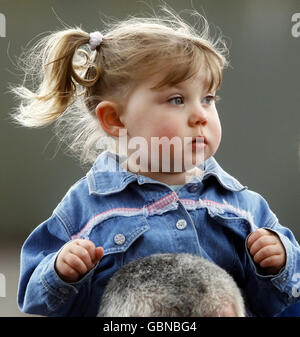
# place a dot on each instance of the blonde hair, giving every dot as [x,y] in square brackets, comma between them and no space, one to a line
[69,80]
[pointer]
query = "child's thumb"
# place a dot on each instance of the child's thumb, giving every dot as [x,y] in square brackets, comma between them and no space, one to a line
[99,253]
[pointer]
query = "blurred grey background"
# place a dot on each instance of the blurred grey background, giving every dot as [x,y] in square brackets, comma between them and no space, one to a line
[259,111]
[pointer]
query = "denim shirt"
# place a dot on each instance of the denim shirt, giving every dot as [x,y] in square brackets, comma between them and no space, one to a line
[132,216]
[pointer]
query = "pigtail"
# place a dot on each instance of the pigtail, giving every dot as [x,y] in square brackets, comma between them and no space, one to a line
[57,68]
[68,79]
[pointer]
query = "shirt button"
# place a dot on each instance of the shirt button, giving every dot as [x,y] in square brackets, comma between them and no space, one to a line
[119,239]
[181,224]
[193,188]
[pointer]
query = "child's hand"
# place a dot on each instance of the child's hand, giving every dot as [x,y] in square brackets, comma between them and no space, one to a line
[267,250]
[76,259]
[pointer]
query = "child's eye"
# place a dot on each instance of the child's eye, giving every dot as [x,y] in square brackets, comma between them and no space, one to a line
[177,100]
[208,99]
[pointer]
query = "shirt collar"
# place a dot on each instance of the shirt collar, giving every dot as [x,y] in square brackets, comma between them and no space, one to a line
[107,176]
[212,168]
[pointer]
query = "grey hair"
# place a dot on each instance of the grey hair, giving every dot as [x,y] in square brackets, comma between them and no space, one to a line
[171,285]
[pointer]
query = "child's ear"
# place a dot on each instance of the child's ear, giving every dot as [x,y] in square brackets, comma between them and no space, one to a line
[108,115]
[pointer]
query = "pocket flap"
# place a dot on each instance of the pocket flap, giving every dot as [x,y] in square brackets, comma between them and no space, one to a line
[117,234]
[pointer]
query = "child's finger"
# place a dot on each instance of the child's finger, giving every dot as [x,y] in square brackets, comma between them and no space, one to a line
[76,263]
[89,246]
[271,261]
[256,235]
[67,273]
[261,242]
[83,254]
[266,252]
[99,252]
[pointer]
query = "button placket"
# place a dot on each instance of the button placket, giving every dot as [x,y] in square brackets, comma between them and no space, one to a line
[193,235]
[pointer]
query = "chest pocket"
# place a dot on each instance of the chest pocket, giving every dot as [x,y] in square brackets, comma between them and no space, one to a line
[118,233]
[239,224]
[222,235]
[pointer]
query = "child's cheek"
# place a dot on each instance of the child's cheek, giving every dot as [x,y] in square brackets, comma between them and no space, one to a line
[169,130]
[218,131]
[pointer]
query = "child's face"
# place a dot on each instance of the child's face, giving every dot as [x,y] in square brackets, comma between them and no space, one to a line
[184,110]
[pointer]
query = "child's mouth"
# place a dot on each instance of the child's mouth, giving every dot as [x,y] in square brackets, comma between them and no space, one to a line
[199,140]
[198,143]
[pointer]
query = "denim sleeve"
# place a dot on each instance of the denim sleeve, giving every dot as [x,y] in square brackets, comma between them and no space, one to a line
[41,291]
[282,289]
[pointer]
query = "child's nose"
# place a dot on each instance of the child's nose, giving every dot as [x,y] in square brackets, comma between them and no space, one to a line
[198,116]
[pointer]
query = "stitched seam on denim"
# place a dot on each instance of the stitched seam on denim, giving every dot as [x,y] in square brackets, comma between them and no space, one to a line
[91,179]
[49,288]
[51,306]
[272,223]
[156,207]
[111,188]
[234,186]
[66,227]
[98,218]
[54,293]
[219,208]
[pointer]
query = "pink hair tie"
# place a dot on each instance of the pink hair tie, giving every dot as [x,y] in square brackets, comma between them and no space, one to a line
[95,40]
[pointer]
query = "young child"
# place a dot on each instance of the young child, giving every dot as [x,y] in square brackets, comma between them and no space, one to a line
[152,79]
